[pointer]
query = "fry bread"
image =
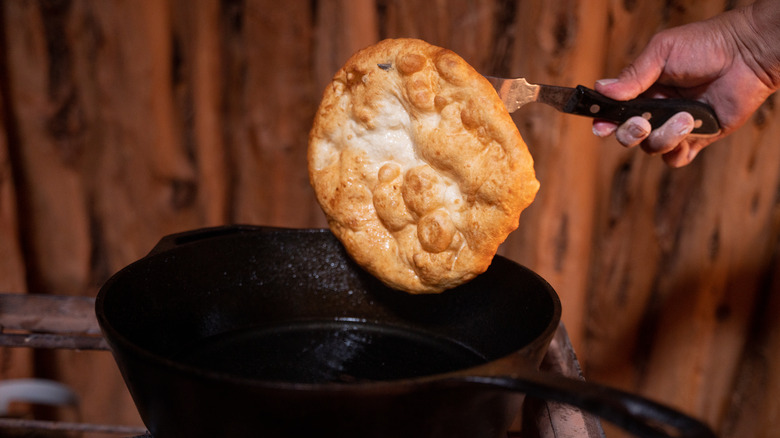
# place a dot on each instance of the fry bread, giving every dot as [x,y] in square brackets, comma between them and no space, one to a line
[417,165]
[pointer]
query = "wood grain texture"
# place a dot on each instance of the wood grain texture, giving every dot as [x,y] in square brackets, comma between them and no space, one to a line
[126,120]
[14,363]
[560,44]
[753,402]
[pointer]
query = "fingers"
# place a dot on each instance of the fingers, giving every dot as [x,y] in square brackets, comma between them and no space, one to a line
[637,131]
[671,140]
[640,75]
[633,131]
[680,156]
[669,135]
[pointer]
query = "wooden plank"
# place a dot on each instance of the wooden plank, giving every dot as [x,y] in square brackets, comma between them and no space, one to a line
[559,43]
[342,28]
[102,176]
[270,105]
[46,119]
[49,321]
[467,27]
[753,405]
[681,255]
[12,270]
[548,419]
[14,363]
[628,246]
[197,94]
[141,174]
[25,427]
[711,290]
[48,313]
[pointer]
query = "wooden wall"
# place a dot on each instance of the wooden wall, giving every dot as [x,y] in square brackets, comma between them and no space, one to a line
[125,120]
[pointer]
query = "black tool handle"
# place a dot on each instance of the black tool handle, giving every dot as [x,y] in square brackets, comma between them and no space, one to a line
[591,103]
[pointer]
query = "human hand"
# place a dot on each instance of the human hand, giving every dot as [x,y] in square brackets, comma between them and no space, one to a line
[727,62]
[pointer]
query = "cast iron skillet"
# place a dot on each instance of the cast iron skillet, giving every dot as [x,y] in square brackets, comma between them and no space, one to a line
[253,331]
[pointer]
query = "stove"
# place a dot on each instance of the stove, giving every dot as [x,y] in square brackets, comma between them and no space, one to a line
[63,322]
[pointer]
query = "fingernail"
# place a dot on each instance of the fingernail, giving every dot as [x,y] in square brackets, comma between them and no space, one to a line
[603,129]
[604,82]
[637,131]
[685,129]
[600,132]
[683,125]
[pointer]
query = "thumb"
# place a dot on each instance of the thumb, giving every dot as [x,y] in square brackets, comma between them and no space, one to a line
[638,76]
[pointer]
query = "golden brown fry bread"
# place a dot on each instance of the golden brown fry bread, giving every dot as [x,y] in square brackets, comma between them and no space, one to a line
[417,165]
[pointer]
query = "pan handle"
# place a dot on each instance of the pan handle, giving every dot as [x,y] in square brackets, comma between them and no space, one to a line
[637,415]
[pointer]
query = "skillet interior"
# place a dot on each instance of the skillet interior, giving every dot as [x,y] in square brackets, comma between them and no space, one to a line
[228,299]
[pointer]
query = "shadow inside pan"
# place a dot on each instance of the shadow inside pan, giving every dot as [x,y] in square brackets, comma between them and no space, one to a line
[329,352]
